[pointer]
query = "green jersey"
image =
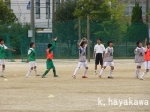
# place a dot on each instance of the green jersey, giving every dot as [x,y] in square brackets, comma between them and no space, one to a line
[31,54]
[2,51]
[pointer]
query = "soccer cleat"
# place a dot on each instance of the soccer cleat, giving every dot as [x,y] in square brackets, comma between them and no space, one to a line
[37,75]
[95,73]
[141,78]
[56,76]
[43,76]
[84,77]
[100,76]
[110,77]
[3,76]
[74,76]
[136,77]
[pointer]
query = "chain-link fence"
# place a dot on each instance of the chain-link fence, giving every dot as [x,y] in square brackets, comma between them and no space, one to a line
[16,36]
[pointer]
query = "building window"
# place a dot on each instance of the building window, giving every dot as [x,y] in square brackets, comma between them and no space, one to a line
[128,10]
[37,9]
[47,9]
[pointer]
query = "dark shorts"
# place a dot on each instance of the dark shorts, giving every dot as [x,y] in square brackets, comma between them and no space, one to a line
[99,59]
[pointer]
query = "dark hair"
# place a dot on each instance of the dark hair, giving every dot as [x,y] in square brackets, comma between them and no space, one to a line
[99,39]
[109,42]
[148,44]
[31,44]
[49,45]
[138,43]
[1,40]
[82,43]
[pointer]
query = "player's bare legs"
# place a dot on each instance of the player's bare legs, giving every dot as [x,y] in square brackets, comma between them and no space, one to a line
[3,69]
[102,70]
[36,71]
[110,72]
[144,73]
[28,73]
[137,71]
[85,71]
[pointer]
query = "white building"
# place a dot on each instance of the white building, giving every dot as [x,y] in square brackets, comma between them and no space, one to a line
[19,7]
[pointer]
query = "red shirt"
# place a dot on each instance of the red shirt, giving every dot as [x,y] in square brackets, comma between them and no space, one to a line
[147,55]
[49,54]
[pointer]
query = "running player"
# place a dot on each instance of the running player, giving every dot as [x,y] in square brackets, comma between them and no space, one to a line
[139,57]
[3,55]
[108,60]
[49,62]
[82,58]
[31,59]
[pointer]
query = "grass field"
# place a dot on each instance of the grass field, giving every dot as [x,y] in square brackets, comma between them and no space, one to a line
[20,94]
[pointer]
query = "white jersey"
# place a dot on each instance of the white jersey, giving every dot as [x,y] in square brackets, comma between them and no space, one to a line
[99,48]
[139,54]
[82,54]
[109,54]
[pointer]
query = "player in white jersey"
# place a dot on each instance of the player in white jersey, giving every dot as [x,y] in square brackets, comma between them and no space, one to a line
[139,57]
[108,60]
[82,58]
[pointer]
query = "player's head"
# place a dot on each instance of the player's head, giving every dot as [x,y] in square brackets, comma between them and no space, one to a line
[32,45]
[1,41]
[139,44]
[49,45]
[148,45]
[82,44]
[110,43]
[99,40]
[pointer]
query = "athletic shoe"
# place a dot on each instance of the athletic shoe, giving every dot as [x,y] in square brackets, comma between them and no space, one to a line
[84,77]
[43,76]
[74,76]
[95,73]
[100,76]
[141,78]
[136,77]
[110,77]
[3,76]
[55,75]
[37,75]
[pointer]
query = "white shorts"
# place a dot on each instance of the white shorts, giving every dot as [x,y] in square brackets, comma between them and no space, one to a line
[82,64]
[147,65]
[139,64]
[2,61]
[108,64]
[32,63]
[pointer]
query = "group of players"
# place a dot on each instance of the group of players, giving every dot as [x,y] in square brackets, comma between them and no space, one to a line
[102,56]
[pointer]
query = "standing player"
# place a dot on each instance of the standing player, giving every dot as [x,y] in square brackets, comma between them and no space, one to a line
[147,59]
[31,59]
[49,62]
[108,60]
[99,50]
[3,55]
[139,57]
[82,58]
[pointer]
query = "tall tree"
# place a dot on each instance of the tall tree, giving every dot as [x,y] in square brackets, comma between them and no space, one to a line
[6,14]
[138,29]
[64,23]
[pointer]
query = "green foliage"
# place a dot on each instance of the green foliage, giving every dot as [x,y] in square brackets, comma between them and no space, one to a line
[6,14]
[64,23]
[138,30]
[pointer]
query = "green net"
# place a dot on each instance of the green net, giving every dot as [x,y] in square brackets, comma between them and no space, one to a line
[124,38]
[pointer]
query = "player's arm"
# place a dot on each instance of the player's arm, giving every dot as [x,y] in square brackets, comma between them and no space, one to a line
[53,44]
[11,49]
[104,50]
[80,42]
[105,53]
[94,53]
[145,42]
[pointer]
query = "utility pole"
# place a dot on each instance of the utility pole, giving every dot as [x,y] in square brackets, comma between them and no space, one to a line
[48,16]
[32,21]
[88,36]
[53,8]
[147,18]
[79,30]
